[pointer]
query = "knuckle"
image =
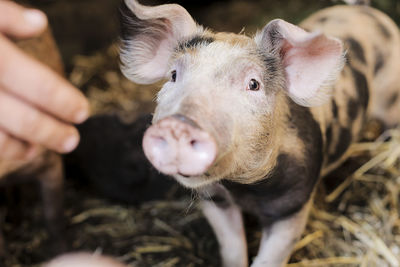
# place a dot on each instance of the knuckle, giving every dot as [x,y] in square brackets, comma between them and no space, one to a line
[48,85]
[50,90]
[30,124]
[60,96]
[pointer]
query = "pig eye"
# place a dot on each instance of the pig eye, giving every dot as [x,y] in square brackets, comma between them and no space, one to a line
[173,76]
[254,85]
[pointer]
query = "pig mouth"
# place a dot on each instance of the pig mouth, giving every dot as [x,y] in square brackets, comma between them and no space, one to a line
[177,146]
[184,175]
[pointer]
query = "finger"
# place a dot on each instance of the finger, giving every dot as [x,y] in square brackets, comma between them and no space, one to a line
[18,21]
[12,149]
[29,124]
[39,85]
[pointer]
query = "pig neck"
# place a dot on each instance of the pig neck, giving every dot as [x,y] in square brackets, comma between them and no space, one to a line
[270,143]
[293,169]
[296,135]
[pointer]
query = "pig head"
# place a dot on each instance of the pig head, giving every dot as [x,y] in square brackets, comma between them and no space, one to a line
[221,111]
[245,121]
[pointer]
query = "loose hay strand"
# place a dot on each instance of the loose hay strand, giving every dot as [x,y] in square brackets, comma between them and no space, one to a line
[326,262]
[308,239]
[369,238]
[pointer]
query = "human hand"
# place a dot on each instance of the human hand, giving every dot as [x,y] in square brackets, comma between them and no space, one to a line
[37,107]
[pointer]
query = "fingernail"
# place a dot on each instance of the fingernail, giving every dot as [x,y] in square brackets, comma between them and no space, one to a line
[71,143]
[81,116]
[35,18]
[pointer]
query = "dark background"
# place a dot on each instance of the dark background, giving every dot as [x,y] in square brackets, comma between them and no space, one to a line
[83,26]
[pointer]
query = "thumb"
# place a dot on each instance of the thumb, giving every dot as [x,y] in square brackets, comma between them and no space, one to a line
[18,21]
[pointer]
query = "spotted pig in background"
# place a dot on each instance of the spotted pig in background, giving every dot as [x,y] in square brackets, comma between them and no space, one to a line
[252,123]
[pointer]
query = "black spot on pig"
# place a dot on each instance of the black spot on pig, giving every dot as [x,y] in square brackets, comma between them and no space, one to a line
[195,42]
[289,185]
[385,32]
[271,63]
[352,109]
[344,143]
[379,61]
[281,194]
[322,20]
[392,100]
[382,28]
[334,109]
[356,49]
[328,136]
[111,159]
[272,35]
[362,87]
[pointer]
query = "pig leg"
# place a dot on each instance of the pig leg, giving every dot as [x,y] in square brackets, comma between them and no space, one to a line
[225,218]
[278,239]
[51,183]
[227,224]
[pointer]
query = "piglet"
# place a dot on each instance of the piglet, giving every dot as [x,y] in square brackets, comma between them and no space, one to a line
[252,123]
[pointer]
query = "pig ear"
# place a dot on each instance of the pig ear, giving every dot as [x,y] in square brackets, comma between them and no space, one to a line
[149,36]
[312,61]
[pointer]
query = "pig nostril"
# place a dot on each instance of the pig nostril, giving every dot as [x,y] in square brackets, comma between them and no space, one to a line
[196,145]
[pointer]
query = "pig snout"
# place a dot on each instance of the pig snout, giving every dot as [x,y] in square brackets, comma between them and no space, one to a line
[177,145]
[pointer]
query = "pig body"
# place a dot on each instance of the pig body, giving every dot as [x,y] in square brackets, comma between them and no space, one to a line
[253,123]
[46,167]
